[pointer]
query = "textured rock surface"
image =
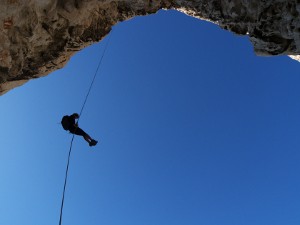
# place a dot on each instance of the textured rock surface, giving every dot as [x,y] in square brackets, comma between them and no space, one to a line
[39,36]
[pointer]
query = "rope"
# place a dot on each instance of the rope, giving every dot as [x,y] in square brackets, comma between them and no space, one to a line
[70,150]
[66,177]
[100,61]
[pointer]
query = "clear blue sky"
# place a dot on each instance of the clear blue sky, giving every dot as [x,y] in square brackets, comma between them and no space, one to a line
[194,129]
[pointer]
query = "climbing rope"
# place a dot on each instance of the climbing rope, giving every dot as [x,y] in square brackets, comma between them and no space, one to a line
[100,61]
[83,105]
[65,184]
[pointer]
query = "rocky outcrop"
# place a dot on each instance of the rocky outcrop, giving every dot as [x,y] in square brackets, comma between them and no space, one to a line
[39,36]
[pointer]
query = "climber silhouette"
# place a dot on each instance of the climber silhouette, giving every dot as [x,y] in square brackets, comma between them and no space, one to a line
[69,123]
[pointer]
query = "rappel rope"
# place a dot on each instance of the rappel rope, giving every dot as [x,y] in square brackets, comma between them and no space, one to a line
[83,105]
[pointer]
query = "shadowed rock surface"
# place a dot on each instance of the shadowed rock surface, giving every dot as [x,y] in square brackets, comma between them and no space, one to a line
[39,36]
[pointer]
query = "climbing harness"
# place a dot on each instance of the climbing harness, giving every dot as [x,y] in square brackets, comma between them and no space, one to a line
[83,105]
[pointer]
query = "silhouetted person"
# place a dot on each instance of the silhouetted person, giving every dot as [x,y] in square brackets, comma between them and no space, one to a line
[69,123]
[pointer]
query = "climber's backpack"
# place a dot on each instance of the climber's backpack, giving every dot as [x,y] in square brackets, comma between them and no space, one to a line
[65,122]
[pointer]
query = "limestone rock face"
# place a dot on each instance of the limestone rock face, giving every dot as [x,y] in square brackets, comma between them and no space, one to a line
[39,36]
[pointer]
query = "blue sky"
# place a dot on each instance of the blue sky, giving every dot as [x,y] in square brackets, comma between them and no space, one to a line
[194,129]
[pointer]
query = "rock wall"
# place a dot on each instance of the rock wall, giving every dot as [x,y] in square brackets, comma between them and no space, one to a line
[39,36]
